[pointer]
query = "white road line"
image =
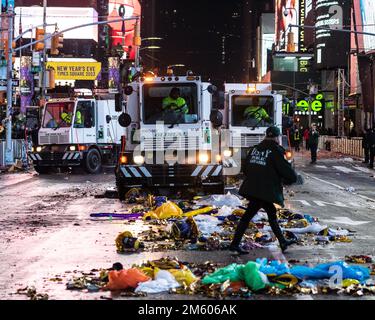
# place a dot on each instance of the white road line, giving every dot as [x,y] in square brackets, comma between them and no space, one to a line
[339,187]
[363,169]
[344,169]
[322,167]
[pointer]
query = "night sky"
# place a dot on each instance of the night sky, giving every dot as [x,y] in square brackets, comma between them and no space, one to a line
[193,33]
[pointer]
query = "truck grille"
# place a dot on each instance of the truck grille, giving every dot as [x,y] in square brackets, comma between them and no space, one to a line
[176,143]
[54,139]
[247,140]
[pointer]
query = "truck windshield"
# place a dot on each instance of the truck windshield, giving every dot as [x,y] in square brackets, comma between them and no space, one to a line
[252,111]
[171,103]
[58,115]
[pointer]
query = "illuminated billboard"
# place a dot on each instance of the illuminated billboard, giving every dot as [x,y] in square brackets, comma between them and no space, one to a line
[368,21]
[332,15]
[287,12]
[64,17]
[132,8]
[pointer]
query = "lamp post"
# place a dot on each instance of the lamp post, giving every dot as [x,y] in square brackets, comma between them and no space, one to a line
[286,13]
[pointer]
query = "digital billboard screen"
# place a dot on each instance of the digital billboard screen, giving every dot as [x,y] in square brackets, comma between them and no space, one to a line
[368,22]
[331,17]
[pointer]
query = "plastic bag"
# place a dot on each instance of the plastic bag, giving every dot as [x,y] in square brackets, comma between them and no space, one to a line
[165,211]
[231,272]
[208,225]
[204,210]
[164,281]
[254,279]
[224,211]
[272,267]
[123,279]
[323,271]
[184,276]
[220,200]
[314,228]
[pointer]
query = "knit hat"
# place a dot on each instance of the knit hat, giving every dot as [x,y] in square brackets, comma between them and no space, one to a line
[273,132]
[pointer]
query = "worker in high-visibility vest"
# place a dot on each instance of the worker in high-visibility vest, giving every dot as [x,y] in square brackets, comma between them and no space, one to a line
[66,116]
[175,102]
[78,119]
[297,140]
[256,112]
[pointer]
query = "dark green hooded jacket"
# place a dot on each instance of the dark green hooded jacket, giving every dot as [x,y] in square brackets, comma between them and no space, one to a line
[266,170]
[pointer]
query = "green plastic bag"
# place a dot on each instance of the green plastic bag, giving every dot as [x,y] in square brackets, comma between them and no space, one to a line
[252,277]
[233,272]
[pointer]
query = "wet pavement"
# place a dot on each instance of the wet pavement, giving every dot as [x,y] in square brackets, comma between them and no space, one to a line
[48,236]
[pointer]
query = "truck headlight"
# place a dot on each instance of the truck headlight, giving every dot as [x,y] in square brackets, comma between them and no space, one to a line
[123,159]
[139,160]
[227,153]
[72,148]
[218,158]
[38,149]
[288,155]
[203,158]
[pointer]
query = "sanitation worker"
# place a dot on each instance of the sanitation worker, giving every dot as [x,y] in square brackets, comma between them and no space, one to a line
[266,170]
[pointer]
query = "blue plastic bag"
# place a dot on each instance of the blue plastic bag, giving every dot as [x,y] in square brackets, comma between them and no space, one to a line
[323,271]
[272,267]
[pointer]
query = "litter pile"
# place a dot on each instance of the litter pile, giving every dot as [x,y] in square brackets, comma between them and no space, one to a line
[208,223]
[242,280]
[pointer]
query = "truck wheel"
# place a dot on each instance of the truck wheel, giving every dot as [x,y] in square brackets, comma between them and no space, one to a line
[121,189]
[93,161]
[219,189]
[42,170]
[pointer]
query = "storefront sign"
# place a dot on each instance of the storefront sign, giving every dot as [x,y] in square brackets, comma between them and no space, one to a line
[75,70]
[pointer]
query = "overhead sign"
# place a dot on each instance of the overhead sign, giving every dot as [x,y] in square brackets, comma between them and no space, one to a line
[368,22]
[332,15]
[75,70]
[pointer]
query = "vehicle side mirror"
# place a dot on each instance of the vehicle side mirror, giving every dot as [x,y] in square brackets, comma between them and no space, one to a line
[211,88]
[124,120]
[118,102]
[216,117]
[108,118]
[128,90]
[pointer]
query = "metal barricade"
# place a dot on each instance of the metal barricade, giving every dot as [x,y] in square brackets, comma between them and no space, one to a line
[19,147]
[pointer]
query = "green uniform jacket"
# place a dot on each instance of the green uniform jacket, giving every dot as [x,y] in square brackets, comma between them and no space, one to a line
[266,170]
[257,113]
[178,105]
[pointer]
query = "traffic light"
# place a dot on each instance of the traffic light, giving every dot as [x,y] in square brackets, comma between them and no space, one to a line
[39,35]
[137,35]
[56,43]
[6,50]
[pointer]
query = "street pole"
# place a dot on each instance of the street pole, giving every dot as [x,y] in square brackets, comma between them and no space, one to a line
[9,160]
[43,75]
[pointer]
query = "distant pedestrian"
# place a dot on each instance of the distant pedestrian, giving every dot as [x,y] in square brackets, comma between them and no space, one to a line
[306,138]
[365,145]
[265,170]
[371,142]
[297,140]
[313,142]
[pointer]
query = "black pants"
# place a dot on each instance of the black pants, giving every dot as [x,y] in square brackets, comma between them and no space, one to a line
[296,145]
[372,156]
[251,211]
[366,151]
[313,149]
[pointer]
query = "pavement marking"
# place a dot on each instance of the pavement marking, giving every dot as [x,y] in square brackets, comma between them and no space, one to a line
[321,167]
[346,220]
[344,169]
[339,187]
[366,170]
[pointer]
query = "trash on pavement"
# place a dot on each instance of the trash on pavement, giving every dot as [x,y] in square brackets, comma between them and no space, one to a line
[207,225]
[220,200]
[361,259]
[119,216]
[167,210]
[350,189]
[185,229]
[196,212]
[125,242]
[164,281]
[124,279]
[184,276]
[224,211]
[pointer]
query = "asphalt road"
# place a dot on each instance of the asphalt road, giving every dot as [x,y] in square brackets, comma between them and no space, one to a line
[47,233]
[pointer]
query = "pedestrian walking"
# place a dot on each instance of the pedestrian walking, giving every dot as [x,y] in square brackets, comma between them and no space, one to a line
[306,138]
[313,142]
[265,170]
[297,140]
[365,145]
[371,142]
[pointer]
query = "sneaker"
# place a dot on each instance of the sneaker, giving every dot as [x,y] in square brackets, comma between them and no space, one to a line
[238,250]
[285,244]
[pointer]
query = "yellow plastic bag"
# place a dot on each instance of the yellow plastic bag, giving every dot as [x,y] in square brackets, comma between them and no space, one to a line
[348,282]
[183,276]
[165,211]
[198,211]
